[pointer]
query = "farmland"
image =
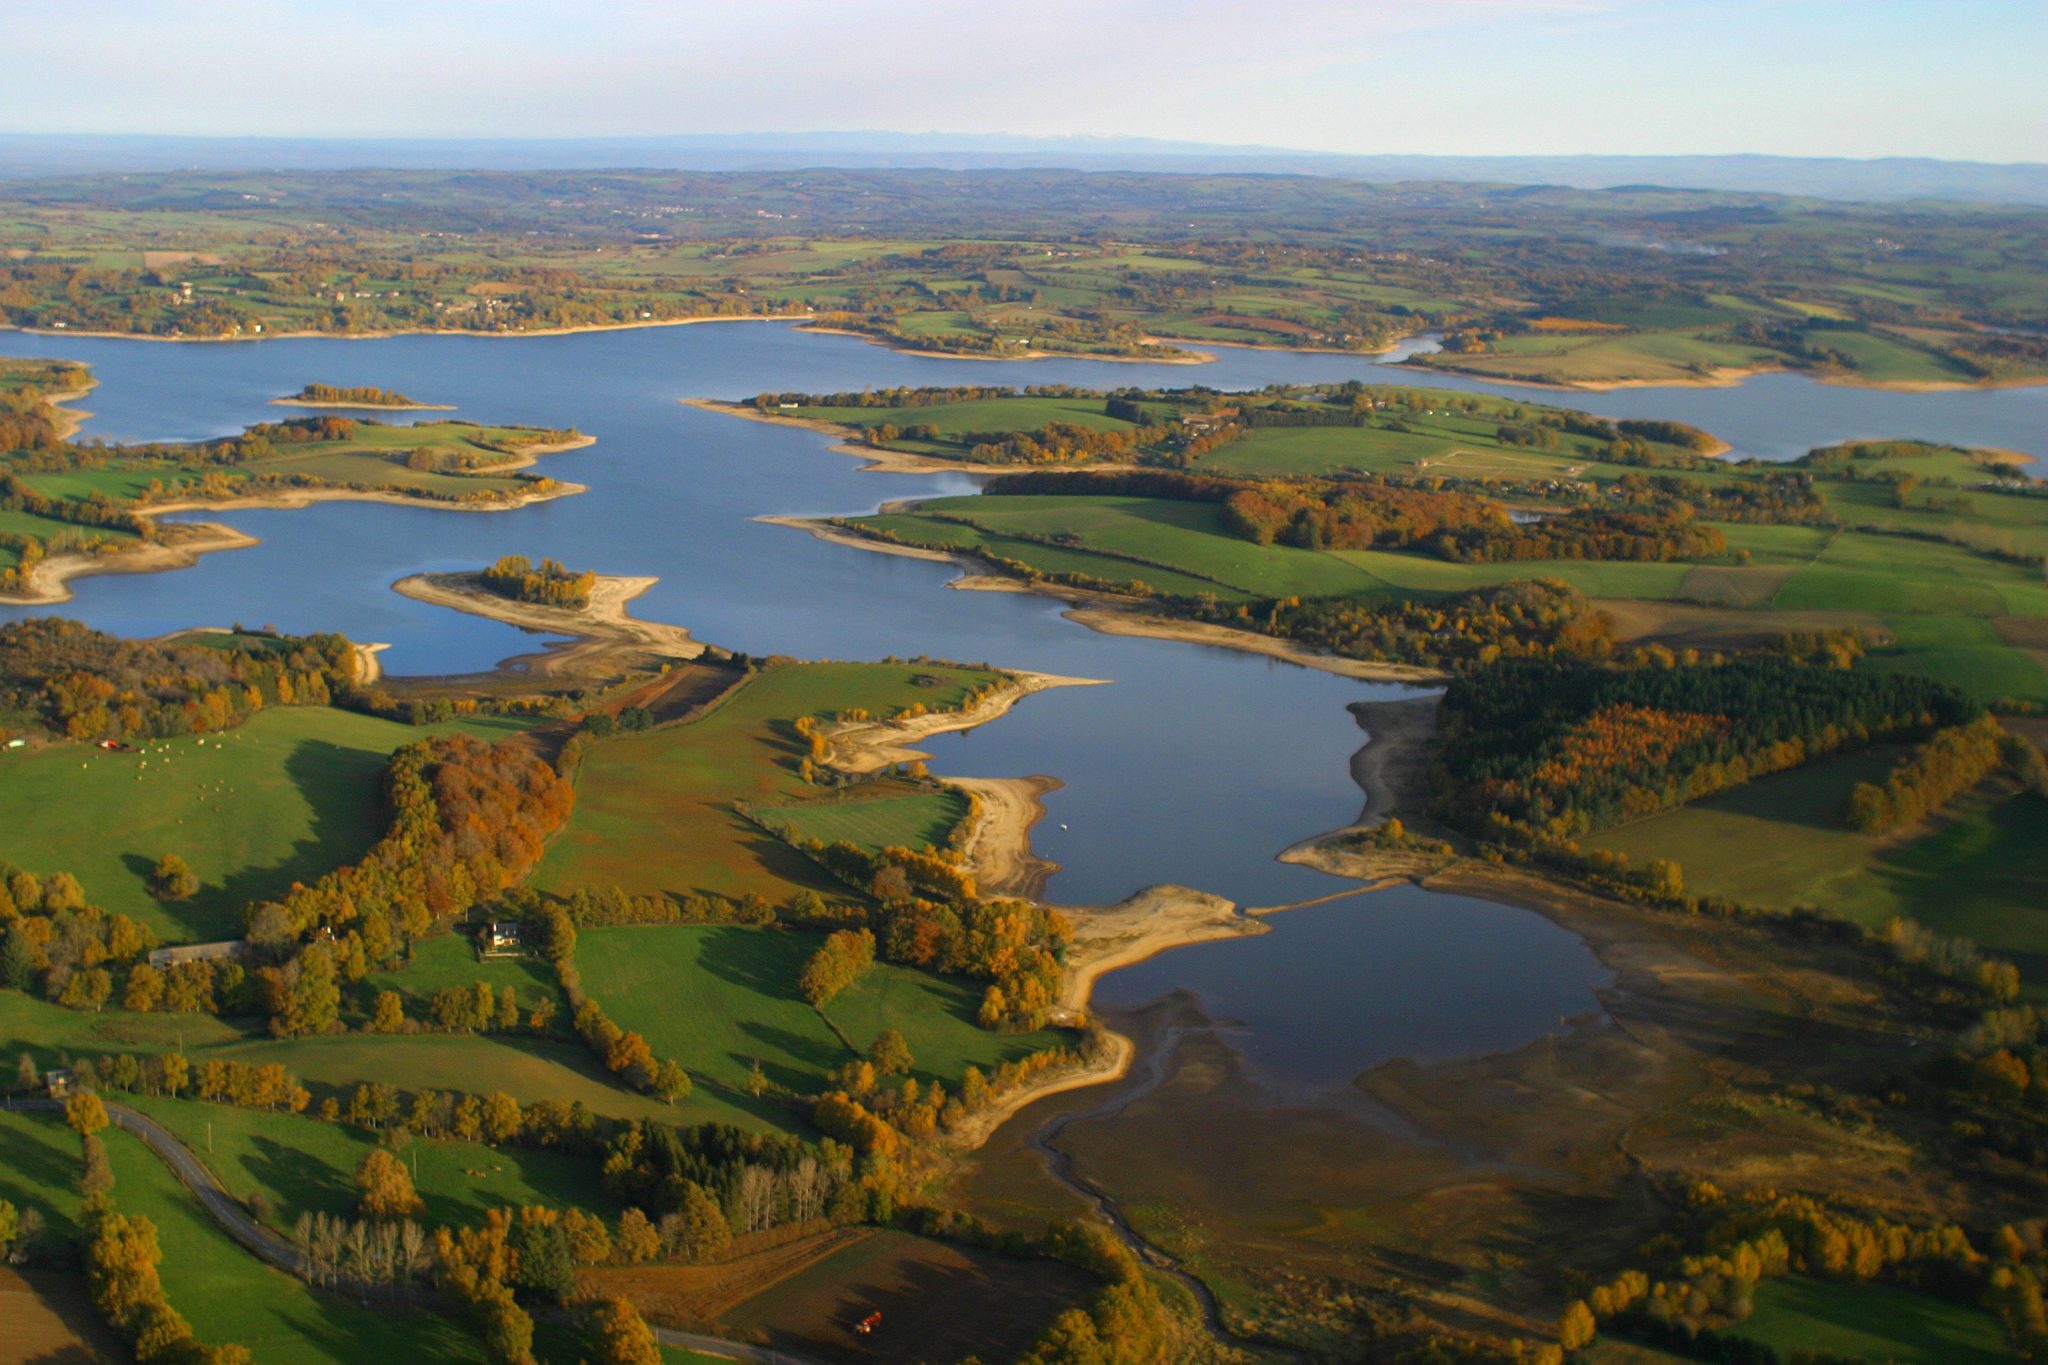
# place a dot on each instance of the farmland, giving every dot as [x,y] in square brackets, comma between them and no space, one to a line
[655,812]
[1027,263]
[303,1165]
[230,1296]
[1926,548]
[1871,1322]
[916,820]
[720,999]
[1978,869]
[284,797]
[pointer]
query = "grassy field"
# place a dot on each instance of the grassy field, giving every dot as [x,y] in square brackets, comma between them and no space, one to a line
[719,998]
[527,1069]
[302,1164]
[290,794]
[1872,1322]
[39,1166]
[1979,869]
[1953,613]
[451,960]
[57,1033]
[655,811]
[228,1295]
[913,821]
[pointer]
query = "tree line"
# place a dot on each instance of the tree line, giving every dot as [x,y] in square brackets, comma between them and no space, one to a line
[1547,751]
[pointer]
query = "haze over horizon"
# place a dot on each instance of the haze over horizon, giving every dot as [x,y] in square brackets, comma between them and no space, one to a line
[1810,78]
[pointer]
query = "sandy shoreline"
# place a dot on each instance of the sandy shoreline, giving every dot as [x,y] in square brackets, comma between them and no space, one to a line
[604,630]
[1729,377]
[414,331]
[68,420]
[1187,356]
[998,849]
[1106,938]
[1110,618]
[1111,615]
[179,550]
[183,543]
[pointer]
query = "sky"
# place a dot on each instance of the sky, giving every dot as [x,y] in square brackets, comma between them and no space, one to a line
[1860,78]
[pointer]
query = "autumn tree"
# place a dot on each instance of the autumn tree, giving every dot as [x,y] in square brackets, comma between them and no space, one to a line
[84,1112]
[697,1231]
[636,1239]
[172,879]
[384,1187]
[890,1054]
[622,1337]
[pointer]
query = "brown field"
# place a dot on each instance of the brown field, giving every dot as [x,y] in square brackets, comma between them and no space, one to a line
[697,1297]
[938,1302]
[1574,325]
[1688,624]
[47,1319]
[162,260]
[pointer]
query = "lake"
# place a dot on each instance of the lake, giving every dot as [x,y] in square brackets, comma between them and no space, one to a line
[1195,765]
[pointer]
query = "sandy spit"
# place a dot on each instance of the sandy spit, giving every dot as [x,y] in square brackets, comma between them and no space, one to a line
[602,630]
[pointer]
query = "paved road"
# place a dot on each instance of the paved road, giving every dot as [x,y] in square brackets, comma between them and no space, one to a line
[274,1250]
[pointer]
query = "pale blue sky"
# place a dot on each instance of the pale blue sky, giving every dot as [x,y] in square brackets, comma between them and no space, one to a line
[1952,78]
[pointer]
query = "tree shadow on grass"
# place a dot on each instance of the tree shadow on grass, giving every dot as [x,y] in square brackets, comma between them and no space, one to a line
[300,1182]
[765,961]
[340,786]
[820,1055]
[28,1167]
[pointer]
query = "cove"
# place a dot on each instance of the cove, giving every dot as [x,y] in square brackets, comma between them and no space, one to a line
[1310,1004]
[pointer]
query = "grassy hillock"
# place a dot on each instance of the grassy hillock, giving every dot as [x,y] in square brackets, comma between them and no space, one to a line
[284,797]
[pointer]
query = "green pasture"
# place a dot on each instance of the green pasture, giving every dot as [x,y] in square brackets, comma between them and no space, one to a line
[720,998]
[1979,869]
[451,960]
[526,1068]
[918,820]
[228,1295]
[1872,1322]
[305,1165]
[39,1168]
[655,812]
[288,795]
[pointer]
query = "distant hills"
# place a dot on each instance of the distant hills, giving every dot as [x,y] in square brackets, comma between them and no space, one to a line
[1885,179]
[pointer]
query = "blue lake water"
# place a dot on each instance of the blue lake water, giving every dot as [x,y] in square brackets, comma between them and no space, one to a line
[1310,1002]
[1194,765]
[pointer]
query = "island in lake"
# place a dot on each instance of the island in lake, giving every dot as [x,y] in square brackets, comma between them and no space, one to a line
[365,396]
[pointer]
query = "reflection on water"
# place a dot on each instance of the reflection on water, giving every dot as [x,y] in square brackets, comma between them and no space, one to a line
[1314,1002]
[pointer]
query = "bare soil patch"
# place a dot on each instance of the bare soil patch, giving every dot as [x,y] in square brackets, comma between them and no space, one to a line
[47,1319]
